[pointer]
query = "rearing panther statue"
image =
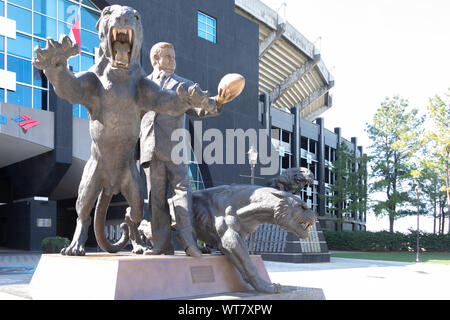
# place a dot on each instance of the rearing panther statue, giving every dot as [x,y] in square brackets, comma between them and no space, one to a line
[116,93]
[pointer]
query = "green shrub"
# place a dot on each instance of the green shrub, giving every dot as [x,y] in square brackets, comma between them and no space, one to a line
[385,241]
[54,244]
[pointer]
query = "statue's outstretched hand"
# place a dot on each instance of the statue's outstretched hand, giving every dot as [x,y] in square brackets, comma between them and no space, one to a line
[224,96]
[195,97]
[55,53]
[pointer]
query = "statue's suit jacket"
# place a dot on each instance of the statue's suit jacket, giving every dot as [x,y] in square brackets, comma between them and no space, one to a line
[156,128]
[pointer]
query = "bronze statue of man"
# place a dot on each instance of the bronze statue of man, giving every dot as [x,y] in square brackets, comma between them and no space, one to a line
[155,157]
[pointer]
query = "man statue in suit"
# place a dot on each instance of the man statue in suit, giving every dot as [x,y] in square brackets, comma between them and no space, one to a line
[155,157]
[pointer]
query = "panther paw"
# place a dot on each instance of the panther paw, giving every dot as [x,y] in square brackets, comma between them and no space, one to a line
[55,53]
[74,249]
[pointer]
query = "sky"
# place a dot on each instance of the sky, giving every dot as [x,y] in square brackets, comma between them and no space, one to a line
[376,49]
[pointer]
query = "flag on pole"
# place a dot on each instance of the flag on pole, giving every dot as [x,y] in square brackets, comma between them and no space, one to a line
[75,32]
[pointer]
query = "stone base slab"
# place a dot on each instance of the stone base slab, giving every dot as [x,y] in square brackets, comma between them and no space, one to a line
[126,276]
[287,293]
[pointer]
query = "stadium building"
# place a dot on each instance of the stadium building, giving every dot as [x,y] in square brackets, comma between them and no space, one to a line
[45,142]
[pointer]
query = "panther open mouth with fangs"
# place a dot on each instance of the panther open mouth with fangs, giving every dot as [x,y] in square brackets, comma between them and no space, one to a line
[305,224]
[121,46]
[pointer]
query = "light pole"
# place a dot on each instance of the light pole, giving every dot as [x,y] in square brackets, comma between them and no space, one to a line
[252,159]
[418,190]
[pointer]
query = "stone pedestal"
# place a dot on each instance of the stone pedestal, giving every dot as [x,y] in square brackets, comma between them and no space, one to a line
[128,276]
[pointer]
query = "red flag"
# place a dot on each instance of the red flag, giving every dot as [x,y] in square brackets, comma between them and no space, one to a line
[75,35]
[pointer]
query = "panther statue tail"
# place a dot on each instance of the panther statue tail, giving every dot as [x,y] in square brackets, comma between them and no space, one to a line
[99,227]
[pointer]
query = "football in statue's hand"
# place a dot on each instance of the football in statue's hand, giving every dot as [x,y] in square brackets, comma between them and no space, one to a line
[233,84]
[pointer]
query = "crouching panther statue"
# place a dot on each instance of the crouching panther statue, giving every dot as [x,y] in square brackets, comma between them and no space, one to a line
[224,216]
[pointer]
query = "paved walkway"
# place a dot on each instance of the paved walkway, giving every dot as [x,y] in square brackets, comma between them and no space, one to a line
[346,279]
[354,279]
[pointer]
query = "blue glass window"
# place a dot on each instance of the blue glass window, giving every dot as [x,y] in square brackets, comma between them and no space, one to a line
[84,113]
[206,27]
[67,11]
[89,19]
[89,4]
[40,99]
[21,46]
[21,67]
[87,61]
[22,17]
[39,78]
[2,61]
[2,43]
[38,43]
[47,7]
[21,97]
[74,62]
[44,27]
[22,3]
[63,28]
[2,8]
[2,95]
[76,110]
[89,41]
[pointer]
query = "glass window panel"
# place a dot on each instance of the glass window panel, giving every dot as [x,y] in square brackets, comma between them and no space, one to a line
[22,3]
[21,46]
[89,4]
[89,19]
[63,28]
[40,99]
[202,34]
[86,62]
[210,30]
[67,11]
[84,113]
[76,110]
[21,97]
[47,7]
[193,169]
[74,62]
[21,67]
[2,43]
[201,17]
[39,78]
[2,95]
[210,38]
[211,22]
[89,41]
[2,61]
[22,17]
[44,27]
[201,26]
[38,43]
[2,9]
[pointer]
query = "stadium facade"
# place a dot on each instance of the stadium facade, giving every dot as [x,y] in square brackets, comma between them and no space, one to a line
[44,141]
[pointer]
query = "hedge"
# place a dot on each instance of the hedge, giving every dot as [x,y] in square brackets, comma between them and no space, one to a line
[386,241]
[54,244]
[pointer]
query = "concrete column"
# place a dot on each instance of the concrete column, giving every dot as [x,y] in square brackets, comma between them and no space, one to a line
[29,222]
[296,136]
[321,167]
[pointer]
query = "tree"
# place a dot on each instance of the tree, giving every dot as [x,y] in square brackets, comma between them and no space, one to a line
[348,193]
[394,132]
[438,140]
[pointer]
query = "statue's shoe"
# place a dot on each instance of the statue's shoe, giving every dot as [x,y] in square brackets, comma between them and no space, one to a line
[193,251]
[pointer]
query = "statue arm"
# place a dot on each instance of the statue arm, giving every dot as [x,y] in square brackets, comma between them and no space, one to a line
[172,102]
[76,88]
[214,110]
